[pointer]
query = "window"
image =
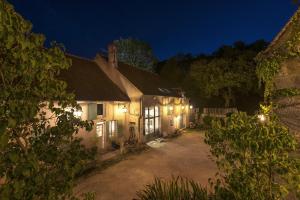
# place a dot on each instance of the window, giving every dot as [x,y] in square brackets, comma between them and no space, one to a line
[100,129]
[170,109]
[100,109]
[112,128]
[152,120]
[92,111]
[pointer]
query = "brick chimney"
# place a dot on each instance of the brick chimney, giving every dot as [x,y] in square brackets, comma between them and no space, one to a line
[112,55]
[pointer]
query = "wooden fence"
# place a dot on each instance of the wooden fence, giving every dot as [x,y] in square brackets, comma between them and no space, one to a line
[218,112]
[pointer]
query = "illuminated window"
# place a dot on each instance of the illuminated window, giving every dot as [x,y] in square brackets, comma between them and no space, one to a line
[112,128]
[100,129]
[152,120]
[170,109]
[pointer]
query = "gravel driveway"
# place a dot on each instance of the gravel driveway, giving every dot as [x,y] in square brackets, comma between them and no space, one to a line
[186,156]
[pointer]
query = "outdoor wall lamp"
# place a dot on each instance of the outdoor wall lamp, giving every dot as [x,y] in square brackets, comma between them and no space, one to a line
[123,109]
[191,106]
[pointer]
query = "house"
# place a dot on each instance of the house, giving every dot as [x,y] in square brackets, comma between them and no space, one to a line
[124,102]
[289,74]
[100,99]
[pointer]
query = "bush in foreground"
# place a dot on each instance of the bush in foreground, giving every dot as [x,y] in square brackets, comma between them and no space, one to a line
[177,188]
[39,155]
[253,154]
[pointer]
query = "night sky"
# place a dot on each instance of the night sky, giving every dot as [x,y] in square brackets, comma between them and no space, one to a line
[169,26]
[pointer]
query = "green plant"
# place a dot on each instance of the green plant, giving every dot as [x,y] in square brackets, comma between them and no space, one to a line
[228,73]
[182,189]
[288,92]
[136,53]
[176,189]
[268,63]
[267,68]
[207,121]
[39,155]
[253,155]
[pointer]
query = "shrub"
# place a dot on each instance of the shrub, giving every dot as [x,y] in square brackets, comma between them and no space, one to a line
[176,189]
[207,121]
[253,156]
[182,189]
[39,155]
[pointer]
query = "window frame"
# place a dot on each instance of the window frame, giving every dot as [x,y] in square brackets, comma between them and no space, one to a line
[154,118]
[98,104]
[112,132]
[100,126]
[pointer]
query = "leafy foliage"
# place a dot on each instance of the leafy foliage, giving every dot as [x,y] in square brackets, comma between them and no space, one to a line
[254,156]
[229,71]
[266,71]
[177,188]
[176,68]
[288,92]
[136,53]
[182,189]
[39,154]
[268,63]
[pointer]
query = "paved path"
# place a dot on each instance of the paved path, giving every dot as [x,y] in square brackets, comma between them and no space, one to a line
[186,156]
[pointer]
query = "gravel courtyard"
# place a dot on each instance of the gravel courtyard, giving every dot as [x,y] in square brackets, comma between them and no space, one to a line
[187,156]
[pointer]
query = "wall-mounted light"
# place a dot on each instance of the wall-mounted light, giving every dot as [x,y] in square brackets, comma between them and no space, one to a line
[191,106]
[123,109]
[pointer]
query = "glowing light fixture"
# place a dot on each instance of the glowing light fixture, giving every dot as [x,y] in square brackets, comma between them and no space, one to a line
[182,107]
[262,117]
[123,109]
[171,108]
[191,107]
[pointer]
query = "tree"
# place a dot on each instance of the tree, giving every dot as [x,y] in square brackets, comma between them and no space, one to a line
[214,79]
[39,155]
[228,71]
[136,53]
[175,68]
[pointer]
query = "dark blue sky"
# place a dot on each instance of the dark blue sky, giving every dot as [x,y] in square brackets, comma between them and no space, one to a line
[169,26]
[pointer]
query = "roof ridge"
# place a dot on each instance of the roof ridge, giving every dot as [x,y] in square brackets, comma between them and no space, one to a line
[80,57]
[283,30]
